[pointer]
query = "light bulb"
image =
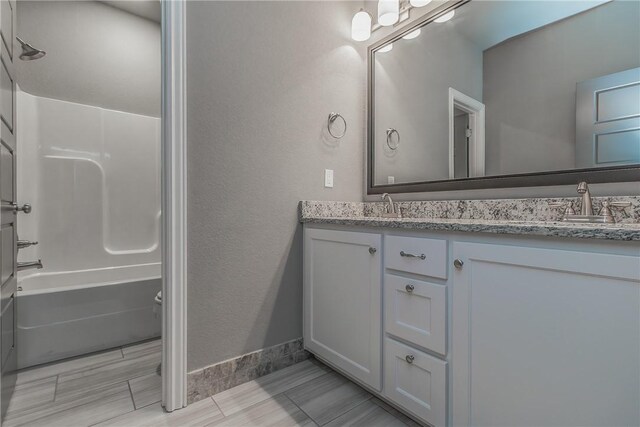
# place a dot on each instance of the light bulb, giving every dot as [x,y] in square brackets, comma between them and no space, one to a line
[444,18]
[412,35]
[385,49]
[388,12]
[361,26]
[419,3]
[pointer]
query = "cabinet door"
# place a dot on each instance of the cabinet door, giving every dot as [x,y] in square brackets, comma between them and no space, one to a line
[545,337]
[342,302]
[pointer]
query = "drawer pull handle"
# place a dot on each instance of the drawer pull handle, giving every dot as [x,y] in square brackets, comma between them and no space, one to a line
[409,288]
[406,255]
[458,264]
[372,250]
[409,358]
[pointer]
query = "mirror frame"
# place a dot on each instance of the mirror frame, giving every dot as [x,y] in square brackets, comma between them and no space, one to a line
[626,173]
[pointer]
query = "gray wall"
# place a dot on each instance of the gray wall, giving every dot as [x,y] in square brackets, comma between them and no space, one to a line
[530,85]
[96,55]
[262,78]
[412,96]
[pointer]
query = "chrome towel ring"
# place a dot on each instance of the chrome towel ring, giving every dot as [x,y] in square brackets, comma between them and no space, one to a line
[390,133]
[332,118]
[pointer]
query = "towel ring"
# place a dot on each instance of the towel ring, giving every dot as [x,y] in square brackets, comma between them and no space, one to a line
[390,133]
[332,118]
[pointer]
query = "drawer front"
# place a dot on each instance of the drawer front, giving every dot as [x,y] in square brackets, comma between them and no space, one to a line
[427,257]
[416,311]
[416,381]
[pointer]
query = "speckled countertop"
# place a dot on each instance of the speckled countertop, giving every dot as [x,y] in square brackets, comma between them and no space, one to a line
[514,216]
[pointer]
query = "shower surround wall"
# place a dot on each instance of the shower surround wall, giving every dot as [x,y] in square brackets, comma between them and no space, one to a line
[92,176]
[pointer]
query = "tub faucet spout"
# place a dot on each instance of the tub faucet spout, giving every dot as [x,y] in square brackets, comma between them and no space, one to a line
[29,265]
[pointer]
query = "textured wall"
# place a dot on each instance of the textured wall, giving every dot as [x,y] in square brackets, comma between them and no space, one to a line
[96,55]
[262,78]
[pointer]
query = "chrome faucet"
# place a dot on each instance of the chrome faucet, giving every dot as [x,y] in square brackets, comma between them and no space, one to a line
[586,210]
[29,265]
[391,211]
[587,205]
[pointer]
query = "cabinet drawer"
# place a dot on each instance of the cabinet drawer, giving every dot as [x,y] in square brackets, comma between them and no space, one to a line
[416,381]
[416,311]
[417,255]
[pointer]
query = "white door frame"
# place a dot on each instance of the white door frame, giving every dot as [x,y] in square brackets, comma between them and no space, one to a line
[475,109]
[174,206]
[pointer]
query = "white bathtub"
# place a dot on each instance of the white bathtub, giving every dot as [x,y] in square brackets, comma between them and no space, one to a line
[66,314]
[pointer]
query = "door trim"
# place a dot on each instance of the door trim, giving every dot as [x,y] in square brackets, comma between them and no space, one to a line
[476,151]
[174,206]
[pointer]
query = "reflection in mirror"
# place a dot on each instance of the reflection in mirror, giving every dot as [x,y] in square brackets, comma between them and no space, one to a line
[509,87]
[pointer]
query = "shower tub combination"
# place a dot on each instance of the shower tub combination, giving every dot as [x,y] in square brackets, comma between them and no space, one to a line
[72,313]
[92,176]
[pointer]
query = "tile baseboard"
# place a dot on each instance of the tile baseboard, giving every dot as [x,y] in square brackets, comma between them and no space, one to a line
[213,379]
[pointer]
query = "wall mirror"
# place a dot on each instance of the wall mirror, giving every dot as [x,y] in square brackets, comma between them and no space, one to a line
[488,94]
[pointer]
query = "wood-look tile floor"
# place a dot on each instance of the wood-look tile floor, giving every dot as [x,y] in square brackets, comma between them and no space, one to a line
[121,388]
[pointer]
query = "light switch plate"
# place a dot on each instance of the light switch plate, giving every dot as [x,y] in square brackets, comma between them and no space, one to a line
[328,178]
[391,179]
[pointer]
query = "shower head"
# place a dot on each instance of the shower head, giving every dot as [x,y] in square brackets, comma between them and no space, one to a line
[29,53]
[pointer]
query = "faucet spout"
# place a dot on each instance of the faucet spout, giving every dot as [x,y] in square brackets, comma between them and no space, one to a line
[587,205]
[29,265]
[391,211]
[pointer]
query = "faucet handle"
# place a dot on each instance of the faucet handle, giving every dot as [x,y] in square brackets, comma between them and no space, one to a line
[568,208]
[606,209]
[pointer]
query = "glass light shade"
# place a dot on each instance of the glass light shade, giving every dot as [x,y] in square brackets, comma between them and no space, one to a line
[388,12]
[386,48]
[361,26]
[444,18]
[419,3]
[412,35]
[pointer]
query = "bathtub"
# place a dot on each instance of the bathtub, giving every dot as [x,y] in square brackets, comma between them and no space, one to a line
[65,314]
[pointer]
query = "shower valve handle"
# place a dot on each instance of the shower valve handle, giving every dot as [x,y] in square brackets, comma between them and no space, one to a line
[26,208]
[26,243]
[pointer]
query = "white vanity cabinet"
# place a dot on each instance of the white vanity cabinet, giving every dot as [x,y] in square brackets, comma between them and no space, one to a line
[342,300]
[545,337]
[470,329]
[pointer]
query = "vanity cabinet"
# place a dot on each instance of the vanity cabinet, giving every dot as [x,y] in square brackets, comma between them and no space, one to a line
[342,301]
[482,329]
[545,337]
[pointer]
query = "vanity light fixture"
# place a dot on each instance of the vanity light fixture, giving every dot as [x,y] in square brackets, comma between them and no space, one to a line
[419,3]
[361,26]
[446,17]
[386,48]
[388,12]
[412,35]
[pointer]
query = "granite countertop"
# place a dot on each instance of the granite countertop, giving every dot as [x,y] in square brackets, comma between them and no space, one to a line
[366,214]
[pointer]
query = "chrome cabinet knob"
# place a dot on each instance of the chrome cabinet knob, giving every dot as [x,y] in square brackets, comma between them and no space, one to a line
[26,208]
[372,251]
[409,288]
[409,358]
[458,264]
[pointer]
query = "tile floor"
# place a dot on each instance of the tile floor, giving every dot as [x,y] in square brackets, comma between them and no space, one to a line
[122,388]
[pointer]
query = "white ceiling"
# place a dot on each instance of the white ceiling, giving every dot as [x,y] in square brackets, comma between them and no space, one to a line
[149,9]
[489,22]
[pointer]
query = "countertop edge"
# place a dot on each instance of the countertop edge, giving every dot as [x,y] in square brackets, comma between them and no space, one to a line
[581,231]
